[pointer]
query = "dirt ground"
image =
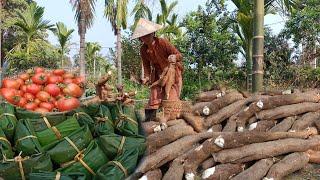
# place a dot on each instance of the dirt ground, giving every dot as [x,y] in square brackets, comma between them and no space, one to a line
[310,172]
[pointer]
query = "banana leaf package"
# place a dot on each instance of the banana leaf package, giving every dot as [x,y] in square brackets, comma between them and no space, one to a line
[8,119]
[20,167]
[53,133]
[25,140]
[113,145]
[103,122]
[5,146]
[114,109]
[53,118]
[84,119]
[91,109]
[70,145]
[56,176]
[120,168]
[126,123]
[87,162]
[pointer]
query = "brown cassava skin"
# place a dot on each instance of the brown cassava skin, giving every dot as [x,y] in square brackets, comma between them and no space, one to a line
[289,164]
[208,163]
[208,96]
[154,174]
[216,128]
[265,150]
[261,126]
[176,170]
[169,152]
[273,102]
[252,120]
[231,126]
[317,124]
[222,102]
[238,139]
[314,156]
[195,121]
[225,113]
[197,107]
[225,171]
[288,110]
[307,120]
[200,154]
[284,125]
[148,127]
[256,171]
[232,140]
[170,134]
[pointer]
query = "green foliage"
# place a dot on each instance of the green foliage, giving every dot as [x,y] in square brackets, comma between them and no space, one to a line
[209,50]
[31,23]
[116,12]
[84,9]
[131,59]
[63,35]
[140,10]
[41,53]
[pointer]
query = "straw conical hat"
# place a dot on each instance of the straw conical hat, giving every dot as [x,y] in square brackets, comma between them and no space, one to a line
[145,27]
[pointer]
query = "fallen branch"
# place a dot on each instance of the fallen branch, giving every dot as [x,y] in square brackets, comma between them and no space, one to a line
[256,171]
[284,125]
[266,149]
[307,120]
[288,165]
[222,171]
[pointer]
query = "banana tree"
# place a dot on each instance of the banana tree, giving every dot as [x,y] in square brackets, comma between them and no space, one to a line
[64,35]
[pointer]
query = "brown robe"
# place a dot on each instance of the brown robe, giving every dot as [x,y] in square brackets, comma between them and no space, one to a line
[155,60]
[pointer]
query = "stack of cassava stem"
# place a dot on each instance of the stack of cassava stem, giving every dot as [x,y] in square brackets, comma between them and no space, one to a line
[235,135]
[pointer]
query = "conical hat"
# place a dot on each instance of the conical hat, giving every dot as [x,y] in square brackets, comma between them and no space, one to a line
[145,27]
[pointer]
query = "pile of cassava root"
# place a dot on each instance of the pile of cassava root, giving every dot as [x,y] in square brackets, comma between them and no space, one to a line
[236,135]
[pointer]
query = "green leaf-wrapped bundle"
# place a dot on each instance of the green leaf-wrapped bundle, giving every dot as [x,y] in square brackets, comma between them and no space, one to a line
[53,133]
[88,162]
[8,120]
[19,167]
[69,146]
[84,119]
[56,175]
[113,144]
[5,146]
[120,168]
[25,140]
[103,124]
[127,124]
[53,118]
[91,109]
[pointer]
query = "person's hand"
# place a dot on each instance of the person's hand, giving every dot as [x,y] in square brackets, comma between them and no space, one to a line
[144,80]
[172,58]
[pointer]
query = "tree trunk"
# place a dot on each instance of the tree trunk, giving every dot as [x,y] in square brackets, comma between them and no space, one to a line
[82,33]
[94,67]
[119,49]
[258,40]
[1,39]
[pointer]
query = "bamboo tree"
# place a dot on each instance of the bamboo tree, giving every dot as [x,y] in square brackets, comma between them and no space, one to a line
[258,45]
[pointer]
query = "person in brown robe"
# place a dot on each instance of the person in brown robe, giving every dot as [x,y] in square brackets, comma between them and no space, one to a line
[157,55]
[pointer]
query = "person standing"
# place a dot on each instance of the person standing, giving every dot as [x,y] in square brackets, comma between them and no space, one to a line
[158,56]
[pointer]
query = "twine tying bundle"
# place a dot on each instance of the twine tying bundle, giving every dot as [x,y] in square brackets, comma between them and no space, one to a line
[120,166]
[53,128]
[18,159]
[123,140]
